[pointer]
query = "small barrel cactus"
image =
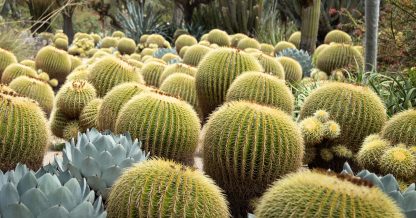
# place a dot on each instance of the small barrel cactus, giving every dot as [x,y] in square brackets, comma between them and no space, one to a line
[293,70]
[295,39]
[283,45]
[118,34]
[246,147]
[302,57]
[271,65]
[71,130]
[88,118]
[183,51]
[80,73]
[267,49]
[184,40]
[338,36]
[15,70]
[235,39]
[248,43]
[262,89]
[147,190]
[298,195]
[75,62]
[29,63]
[73,97]
[144,116]
[338,56]
[318,51]
[156,39]
[177,68]
[219,37]
[194,54]
[171,58]
[109,42]
[370,152]
[58,122]
[151,73]
[399,161]
[25,193]
[401,128]
[6,58]
[55,62]
[126,46]
[61,43]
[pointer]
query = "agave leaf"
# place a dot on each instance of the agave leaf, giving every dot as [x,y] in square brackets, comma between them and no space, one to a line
[409,201]
[127,163]
[90,167]
[92,134]
[90,197]
[48,183]
[363,173]
[104,142]
[73,186]
[118,153]
[35,200]
[105,159]
[17,210]
[409,189]
[390,183]
[347,168]
[77,157]
[20,171]
[373,178]
[27,182]
[98,208]
[62,196]
[111,174]
[398,197]
[83,210]
[10,191]
[55,211]
[88,149]
[96,183]
[74,171]
[82,140]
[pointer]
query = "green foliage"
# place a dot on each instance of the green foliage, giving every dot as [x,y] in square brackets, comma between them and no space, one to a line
[55,62]
[339,56]
[194,54]
[147,190]
[151,73]
[16,70]
[144,116]
[126,46]
[293,70]
[400,128]
[88,118]
[338,36]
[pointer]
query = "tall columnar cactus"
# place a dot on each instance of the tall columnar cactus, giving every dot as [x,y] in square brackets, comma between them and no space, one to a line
[293,70]
[248,43]
[177,68]
[184,40]
[15,70]
[219,37]
[114,101]
[147,190]
[73,97]
[401,128]
[283,45]
[372,13]
[262,89]
[271,65]
[194,54]
[295,39]
[88,118]
[337,56]
[126,46]
[6,58]
[315,194]
[311,11]
[217,71]
[144,116]
[246,147]
[151,73]
[35,89]
[55,62]
[338,36]
[109,72]
[23,131]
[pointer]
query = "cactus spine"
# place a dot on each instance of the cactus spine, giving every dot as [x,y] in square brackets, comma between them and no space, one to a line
[400,128]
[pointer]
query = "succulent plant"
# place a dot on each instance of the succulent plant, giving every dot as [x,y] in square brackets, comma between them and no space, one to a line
[75,62]
[246,147]
[184,40]
[299,195]
[73,96]
[44,194]
[147,190]
[55,62]
[183,51]
[248,43]
[159,53]
[303,58]
[109,42]
[262,89]
[6,58]
[16,70]
[118,34]
[109,72]
[217,71]
[96,38]
[194,54]
[282,45]
[157,40]
[318,75]
[144,116]
[293,70]
[295,39]
[58,121]
[318,51]
[218,37]
[23,131]
[267,49]
[399,161]
[372,149]
[400,128]
[143,38]
[338,56]
[71,130]
[177,68]
[169,58]
[235,39]
[271,65]
[61,43]
[338,36]
[88,118]
[80,73]
[35,89]
[29,63]
[113,102]
[126,46]
[151,73]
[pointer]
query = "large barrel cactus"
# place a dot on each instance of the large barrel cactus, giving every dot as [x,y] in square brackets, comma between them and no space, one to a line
[283,45]
[6,58]
[88,118]
[338,56]
[184,40]
[271,65]
[168,127]
[15,70]
[55,62]
[219,37]
[114,101]
[109,72]
[194,54]
[25,193]
[126,46]
[151,73]
[401,128]
[338,36]
[159,188]
[217,71]
[246,147]
[23,131]
[315,194]
[248,43]
[177,68]
[293,70]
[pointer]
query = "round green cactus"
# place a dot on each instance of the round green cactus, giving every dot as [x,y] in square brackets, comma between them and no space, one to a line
[24,133]
[400,162]
[338,36]
[113,102]
[217,71]
[80,73]
[147,190]
[151,73]
[109,72]
[147,51]
[16,70]
[219,37]
[271,65]
[6,58]
[282,45]
[318,51]
[169,57]
[109,42]
[61,43]
[96,38]
[29,63]
[194,54]
[156,39]
[143,38]
[73,96]
[58,121]
[118,34]
[55,62]
[401,128]
[88,118]
[248,43]
[370,152]
[75,62]
[293,70]
[262,89]
[315,194]
[246,147]
[338,56]
[184,40]
[295,39]
[126,46]
[71,130]
[235,39]
[204,43]
[144,117]
[183,51]
[267,49]
[135,63]
[35,89]
[177,68]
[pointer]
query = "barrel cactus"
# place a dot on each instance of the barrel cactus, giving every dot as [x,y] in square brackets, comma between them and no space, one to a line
[248,43]
[293,70]
[262,89]
[156,39]
[61,43]
[58,121]
[219,37]
[302,57]
[46,194]
[271,65]
[267,49]
[400,128]
[109,72]
[338,56]
[144,116]
[23,131]
[282,45]
[295,39]
[70,130]
[73,97]
[182,86]
[118,34]
[126,46]
[171,58]
[35,89]
[184,40]
[88,118]
[114,101]
[183,51]
[55,62]
[370,152]
[75,62]
[338,36]
[400,162]
[296,196]
[147,190]
[108,42]
[6,58]
[15,70]
[217,71]
[151,73]
[194,54]
[246,147]
[177,68]
[29,63]
[80,73]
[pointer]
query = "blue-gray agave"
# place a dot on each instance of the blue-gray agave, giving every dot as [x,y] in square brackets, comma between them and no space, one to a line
[301,56]
[24,194]
[162,51]
[389,185]
[100,158]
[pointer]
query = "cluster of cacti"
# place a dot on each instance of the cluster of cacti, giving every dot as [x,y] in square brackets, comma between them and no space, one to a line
[302,57]
[339,56]
[246,147]
[16,70]
[54,62]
